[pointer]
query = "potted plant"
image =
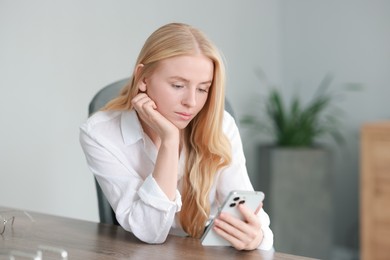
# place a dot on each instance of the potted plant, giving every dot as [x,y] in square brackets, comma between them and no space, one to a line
[294,171]
[296,124]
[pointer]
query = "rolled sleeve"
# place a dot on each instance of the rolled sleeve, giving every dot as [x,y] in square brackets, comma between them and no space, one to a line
[151,194]
[152,215]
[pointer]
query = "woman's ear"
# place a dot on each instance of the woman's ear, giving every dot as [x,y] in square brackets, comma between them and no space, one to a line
[138,73]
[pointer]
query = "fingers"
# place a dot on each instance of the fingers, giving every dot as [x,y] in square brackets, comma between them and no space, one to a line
[147,111]
[243,235]
[145,107]
[249,216]
[236,237]
[143,101]
[238,228]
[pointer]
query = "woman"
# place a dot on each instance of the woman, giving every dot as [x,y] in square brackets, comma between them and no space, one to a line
[165,152]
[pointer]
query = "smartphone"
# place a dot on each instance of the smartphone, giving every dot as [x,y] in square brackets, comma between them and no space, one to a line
[252,199]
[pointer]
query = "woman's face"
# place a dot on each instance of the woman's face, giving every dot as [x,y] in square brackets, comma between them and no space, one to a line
[179,86]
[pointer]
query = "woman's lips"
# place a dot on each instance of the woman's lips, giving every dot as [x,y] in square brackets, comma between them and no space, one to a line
[184,116]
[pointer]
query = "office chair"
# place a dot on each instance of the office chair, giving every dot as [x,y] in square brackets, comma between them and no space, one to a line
[106,213]
[101,98]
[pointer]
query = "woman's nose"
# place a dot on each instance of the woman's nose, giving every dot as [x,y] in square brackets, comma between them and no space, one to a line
[189,98]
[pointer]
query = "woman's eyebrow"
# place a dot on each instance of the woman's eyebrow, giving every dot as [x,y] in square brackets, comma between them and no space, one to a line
[187,81]
[179,79]
[206,82]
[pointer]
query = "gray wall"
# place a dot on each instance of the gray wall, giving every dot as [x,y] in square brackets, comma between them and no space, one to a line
[55,55]
[351,40]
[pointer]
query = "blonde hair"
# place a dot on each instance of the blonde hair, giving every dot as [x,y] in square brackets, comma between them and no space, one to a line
[206,153]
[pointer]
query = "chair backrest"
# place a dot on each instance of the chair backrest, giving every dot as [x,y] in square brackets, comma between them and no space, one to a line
[106,214]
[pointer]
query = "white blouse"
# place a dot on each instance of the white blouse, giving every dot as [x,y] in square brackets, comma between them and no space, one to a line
[122,158]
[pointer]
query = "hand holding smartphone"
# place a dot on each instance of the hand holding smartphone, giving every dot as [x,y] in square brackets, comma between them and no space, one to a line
[252,199]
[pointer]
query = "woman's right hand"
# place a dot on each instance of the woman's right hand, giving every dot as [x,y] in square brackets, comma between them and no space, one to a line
[147,111]
[166,137]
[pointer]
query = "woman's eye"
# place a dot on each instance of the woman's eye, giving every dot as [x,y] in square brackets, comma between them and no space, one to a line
[203,90]
[177,86]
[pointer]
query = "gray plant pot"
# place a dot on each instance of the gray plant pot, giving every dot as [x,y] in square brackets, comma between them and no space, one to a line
[297,183]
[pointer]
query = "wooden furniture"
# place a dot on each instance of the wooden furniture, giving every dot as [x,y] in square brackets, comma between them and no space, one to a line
[375,191]
[89,240]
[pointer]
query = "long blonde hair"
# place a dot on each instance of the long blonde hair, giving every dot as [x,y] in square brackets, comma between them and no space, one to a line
[207,148]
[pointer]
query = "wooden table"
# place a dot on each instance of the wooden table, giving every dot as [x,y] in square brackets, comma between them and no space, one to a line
[89,240]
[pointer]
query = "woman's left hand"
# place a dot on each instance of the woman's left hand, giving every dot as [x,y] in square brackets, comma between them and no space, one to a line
[243,235]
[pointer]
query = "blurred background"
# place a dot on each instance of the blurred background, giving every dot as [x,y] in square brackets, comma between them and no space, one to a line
[55,55]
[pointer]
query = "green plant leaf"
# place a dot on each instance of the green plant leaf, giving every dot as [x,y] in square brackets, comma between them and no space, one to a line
[296,124]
